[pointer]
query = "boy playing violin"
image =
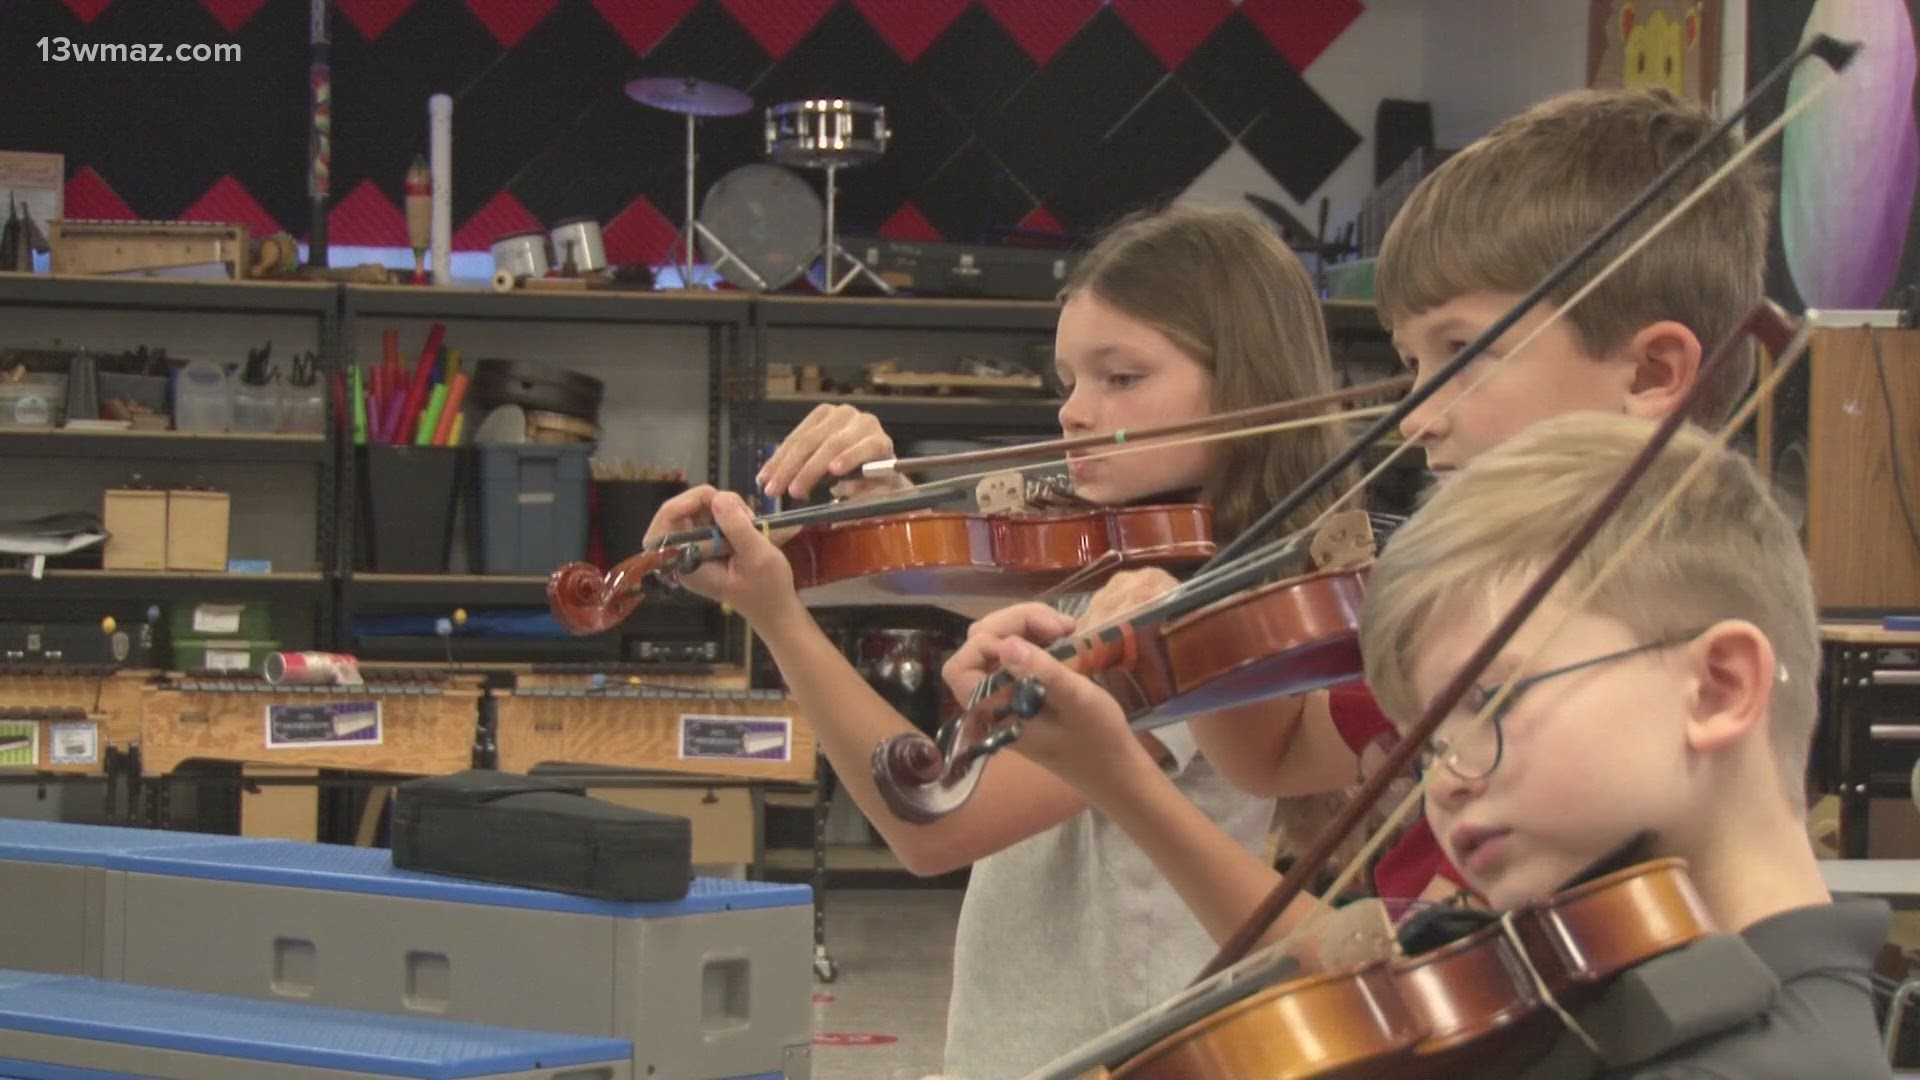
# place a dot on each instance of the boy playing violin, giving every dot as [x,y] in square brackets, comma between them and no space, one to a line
[1678,704]
[1670,715]
[1471,241]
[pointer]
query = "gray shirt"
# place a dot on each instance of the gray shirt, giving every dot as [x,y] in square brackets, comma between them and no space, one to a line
[1789,998]
[1067,934]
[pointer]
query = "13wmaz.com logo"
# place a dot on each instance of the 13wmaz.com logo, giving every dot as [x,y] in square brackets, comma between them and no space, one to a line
[65,50]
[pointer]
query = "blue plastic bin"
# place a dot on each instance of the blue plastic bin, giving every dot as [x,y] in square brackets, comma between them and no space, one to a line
[533,507]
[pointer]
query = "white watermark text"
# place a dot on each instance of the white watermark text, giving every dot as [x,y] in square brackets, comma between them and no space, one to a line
[65,50]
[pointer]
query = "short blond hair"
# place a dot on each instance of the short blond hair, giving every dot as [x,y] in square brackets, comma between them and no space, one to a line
[1725,550]
[1499,215]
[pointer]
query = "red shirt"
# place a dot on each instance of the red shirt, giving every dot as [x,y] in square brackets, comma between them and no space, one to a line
[1411,864]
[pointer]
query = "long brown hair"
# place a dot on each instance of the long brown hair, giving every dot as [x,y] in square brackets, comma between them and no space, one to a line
[1221,286]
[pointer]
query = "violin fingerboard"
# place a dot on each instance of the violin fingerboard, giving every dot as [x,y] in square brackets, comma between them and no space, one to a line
[1073,605]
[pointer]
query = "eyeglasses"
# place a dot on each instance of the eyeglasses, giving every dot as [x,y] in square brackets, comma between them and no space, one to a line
[1475,757]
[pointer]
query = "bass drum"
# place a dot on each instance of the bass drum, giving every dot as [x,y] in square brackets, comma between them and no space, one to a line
[769,219]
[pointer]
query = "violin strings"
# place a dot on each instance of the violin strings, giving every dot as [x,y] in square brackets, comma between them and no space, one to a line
[919,494]
[1274,428]
[1381,387]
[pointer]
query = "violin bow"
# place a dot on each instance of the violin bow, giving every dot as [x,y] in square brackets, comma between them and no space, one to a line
[1256,414]
[1241,423]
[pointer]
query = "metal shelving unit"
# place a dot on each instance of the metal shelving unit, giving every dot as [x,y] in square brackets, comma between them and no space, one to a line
[318,301]
[724,315]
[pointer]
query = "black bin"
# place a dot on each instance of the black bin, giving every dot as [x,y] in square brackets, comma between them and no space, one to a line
[407,499]
[626,508]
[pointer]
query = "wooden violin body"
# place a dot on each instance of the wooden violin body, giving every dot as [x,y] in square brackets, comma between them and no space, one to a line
[917,556]
[1286,637]
[1481,1006]
[931,556]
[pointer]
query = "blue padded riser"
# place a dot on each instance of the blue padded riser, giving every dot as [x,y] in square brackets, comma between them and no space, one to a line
[370,870]
[286,1034]
[347,869]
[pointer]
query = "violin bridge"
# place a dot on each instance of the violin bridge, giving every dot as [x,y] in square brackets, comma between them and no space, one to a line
[1346,540]
[1001,493]
[1354,934]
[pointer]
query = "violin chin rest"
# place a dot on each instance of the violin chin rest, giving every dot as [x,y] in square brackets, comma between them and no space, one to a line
[1441,924]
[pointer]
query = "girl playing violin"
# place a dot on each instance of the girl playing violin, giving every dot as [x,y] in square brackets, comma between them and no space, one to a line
[1174,315]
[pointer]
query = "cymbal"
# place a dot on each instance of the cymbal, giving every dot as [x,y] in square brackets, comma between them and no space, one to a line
[689,96]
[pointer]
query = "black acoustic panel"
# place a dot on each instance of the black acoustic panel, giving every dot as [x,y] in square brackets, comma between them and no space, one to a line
[974,67]
[380,95]
[708,45]
[268,136]
[163,132]
[971,193]
[1047,131]
[982,135]
[1151,158]
[1399,129]
[1300,140]
[1234,72]
[525,100]
[566,167]
[618,150]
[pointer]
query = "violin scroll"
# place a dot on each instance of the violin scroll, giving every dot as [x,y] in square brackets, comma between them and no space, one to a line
[913,776]
[585,601]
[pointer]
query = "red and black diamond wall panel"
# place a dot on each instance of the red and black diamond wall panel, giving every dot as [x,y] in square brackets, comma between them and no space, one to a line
[1044,113]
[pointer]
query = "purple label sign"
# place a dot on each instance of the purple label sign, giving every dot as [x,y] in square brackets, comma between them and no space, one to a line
[323,723]
[736,738]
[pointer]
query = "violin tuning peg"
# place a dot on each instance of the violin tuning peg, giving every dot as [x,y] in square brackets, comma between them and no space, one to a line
[1029,697]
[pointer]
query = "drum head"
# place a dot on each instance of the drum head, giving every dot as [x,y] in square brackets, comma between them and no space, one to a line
[769,218]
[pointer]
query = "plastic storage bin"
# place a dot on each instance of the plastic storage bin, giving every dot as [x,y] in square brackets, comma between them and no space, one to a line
[39,400]
[408,496]
[533,507]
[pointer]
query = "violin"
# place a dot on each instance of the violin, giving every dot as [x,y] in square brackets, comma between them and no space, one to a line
[1485,1004]
[914,555]
[926,555]
[1289,636]
[896,547]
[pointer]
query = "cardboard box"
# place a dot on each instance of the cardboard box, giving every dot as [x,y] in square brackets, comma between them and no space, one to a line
[197,530]
[136,524]
[280,811]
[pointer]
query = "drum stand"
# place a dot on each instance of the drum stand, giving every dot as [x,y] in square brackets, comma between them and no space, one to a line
[832,245]
[693,225]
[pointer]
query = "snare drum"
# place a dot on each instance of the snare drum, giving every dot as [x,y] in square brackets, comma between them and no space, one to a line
[823,132]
